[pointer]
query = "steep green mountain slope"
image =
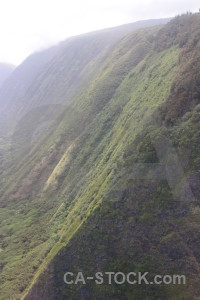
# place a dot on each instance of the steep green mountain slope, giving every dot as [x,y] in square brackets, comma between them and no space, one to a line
[54,75]
[45,81]
[5,71]
[113,185]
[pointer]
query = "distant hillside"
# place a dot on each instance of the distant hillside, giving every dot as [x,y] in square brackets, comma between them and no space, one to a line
[5,71]
[112,183]
[22,77]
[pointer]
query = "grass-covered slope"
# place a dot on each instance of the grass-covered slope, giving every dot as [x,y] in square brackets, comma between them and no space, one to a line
[113,184]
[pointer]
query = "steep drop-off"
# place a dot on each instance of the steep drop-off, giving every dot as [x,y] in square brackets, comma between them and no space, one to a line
[113,184]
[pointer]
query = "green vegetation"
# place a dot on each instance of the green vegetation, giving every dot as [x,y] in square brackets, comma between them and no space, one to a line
[70,200]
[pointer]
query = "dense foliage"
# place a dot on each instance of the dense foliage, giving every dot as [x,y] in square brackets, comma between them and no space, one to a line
[76,199]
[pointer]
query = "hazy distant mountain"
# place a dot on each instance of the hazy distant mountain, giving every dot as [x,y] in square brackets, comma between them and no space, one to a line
[21,78]
[5,71]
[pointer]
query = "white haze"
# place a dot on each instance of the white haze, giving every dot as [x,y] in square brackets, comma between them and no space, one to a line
[29,25]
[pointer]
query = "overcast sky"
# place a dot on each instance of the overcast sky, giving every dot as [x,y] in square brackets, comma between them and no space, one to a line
[29,25]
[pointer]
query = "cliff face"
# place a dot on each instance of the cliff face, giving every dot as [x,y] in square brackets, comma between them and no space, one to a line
[112,185]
